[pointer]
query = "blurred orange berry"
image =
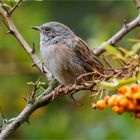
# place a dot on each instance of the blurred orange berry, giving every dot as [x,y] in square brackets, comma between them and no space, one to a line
[120,97]
[135,88]
[124,102]
[136,96]
[118,109]
[112,100]
[127,100]
[131,106]
[123,90]
[129,94]
[101,104]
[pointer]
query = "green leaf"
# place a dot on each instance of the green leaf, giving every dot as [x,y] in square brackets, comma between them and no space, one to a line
[39,91]
[12,0]
[41,83]
[31,83]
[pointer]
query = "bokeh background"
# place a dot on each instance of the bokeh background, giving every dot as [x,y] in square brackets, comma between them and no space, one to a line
[95,22]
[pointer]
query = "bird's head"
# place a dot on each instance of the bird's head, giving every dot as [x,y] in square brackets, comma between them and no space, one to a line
[52,30]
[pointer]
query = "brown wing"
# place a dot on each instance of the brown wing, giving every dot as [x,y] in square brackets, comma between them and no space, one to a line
[88,59]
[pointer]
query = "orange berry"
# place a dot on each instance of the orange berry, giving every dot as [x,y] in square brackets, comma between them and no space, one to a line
[136,96]
[112,100]
[101,104]
[123,89]
[120,97]
[118,109]
[129,94]
[131,106]
[123,102]
[115,108]
[135,88]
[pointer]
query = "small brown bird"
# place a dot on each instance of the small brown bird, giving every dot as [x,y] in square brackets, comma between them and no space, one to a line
[64,54]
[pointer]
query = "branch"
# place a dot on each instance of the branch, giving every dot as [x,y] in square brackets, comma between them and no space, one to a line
[127,27]
[33,104]
[48,96]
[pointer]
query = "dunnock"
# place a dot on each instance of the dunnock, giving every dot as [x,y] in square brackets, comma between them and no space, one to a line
[64,54]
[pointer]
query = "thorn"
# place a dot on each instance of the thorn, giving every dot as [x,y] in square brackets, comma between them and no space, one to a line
[14,7]
[28,121]
[25,99]
[12,32]
[125,23]
[112,43]
[33,49]
[138,8]
[8,32]
[33,65]
[43,68]
[32,96]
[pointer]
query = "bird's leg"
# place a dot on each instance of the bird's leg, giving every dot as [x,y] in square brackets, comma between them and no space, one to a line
[75,101]
[70,88]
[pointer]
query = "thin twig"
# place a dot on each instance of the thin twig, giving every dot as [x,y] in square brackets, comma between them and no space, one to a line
[15,6]
[119,35]
[33,49]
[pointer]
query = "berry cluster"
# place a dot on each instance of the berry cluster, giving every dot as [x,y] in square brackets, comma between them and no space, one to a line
[126,100]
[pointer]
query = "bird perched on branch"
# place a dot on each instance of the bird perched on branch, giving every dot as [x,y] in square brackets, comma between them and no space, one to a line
[66,55]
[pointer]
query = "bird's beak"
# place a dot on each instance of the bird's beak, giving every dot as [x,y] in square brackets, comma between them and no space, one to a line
[36,28]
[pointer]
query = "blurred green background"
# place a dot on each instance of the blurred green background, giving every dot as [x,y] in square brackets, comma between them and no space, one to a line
[95,22]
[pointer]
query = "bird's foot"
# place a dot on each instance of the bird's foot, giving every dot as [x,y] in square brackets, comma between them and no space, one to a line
[69,88]
[56,91]
[74,100]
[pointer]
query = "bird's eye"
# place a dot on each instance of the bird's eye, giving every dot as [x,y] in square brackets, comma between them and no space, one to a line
[47,29]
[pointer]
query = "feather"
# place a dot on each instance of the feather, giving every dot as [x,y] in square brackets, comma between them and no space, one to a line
[87,57]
